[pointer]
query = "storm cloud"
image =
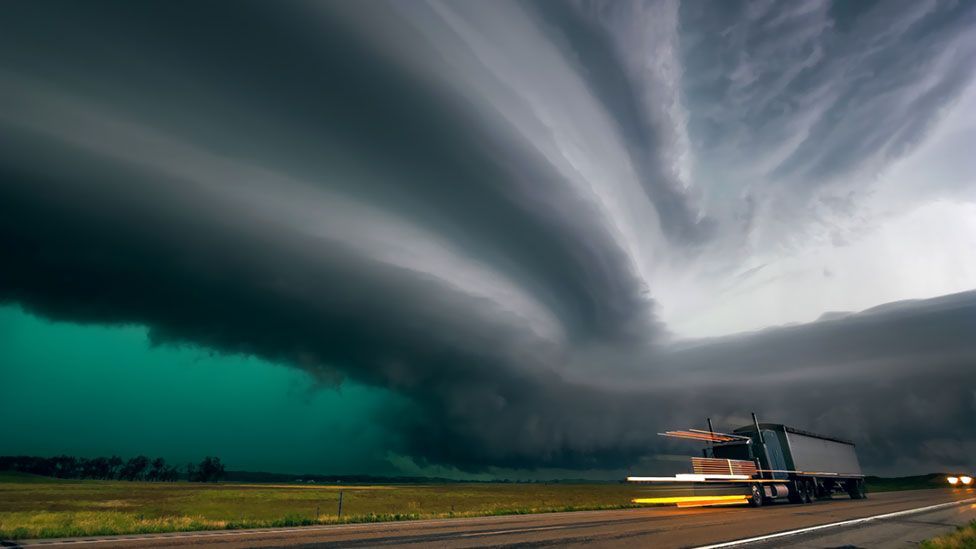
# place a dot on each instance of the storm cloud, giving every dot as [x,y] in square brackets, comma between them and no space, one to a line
[505,212]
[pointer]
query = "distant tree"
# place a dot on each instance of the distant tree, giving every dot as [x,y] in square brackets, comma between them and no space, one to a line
[170,474]
[114,467]
[155,470]
[81,467]
[64,467]
[27,464]
[210,470]
[39,466]
[134,469]
[95,468]
[137,468]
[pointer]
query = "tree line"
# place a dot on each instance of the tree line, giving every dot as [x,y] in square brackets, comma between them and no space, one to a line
[210,469]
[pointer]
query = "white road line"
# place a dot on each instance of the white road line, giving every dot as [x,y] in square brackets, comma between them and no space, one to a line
[836,524]
[516,531]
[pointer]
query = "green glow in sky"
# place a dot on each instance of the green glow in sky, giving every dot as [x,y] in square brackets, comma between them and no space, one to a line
[101,390]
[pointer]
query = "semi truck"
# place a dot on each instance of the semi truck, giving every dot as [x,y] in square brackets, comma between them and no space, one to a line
[758,464]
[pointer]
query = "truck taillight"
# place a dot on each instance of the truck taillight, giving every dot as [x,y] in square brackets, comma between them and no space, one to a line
[953,480]
[965,479]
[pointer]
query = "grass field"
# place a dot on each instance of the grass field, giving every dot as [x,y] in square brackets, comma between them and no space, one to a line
[918,482]
[963,538]
[40,507]
[36,507]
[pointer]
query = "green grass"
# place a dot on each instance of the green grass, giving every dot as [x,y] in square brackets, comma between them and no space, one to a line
[963,538]
[918,482]
[34,507]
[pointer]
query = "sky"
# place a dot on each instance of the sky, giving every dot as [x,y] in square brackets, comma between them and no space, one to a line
[486,239]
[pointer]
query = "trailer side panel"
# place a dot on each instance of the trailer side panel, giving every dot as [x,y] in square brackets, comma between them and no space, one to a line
[814,454]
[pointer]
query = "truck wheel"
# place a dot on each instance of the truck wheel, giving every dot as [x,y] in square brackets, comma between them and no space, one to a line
[796,491]
[809,490]
[756,496]
[855,489]
[825,490]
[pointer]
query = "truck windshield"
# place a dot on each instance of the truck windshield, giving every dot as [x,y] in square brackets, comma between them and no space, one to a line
[732,451]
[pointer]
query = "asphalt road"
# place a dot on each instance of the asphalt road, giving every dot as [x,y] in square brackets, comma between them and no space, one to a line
[652,527]
[904,531]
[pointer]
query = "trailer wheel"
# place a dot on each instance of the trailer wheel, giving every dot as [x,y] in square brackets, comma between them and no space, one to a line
[825,490]
[855,488]
[809,490]
[756,496]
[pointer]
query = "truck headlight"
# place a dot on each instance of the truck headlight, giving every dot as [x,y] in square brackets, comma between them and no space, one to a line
[953,480]
[966,479]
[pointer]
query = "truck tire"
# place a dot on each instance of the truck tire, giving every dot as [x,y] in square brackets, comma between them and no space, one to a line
[756,495]
[825,490]
[855,489]
[809,491]
[796,491]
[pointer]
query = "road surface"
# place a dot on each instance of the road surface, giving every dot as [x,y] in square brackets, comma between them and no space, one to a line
[652,527]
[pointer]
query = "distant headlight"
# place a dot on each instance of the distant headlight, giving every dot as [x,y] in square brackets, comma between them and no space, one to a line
[967,480]
[953,480]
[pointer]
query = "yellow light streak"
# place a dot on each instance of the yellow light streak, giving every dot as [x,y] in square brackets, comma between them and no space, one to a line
[694,501]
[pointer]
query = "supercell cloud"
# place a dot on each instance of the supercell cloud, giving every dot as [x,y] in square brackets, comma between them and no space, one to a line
[549,226]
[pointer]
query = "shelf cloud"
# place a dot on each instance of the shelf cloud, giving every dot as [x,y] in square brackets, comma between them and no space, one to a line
[547,226]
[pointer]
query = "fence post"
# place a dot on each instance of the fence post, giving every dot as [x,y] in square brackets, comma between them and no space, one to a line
[340,503]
